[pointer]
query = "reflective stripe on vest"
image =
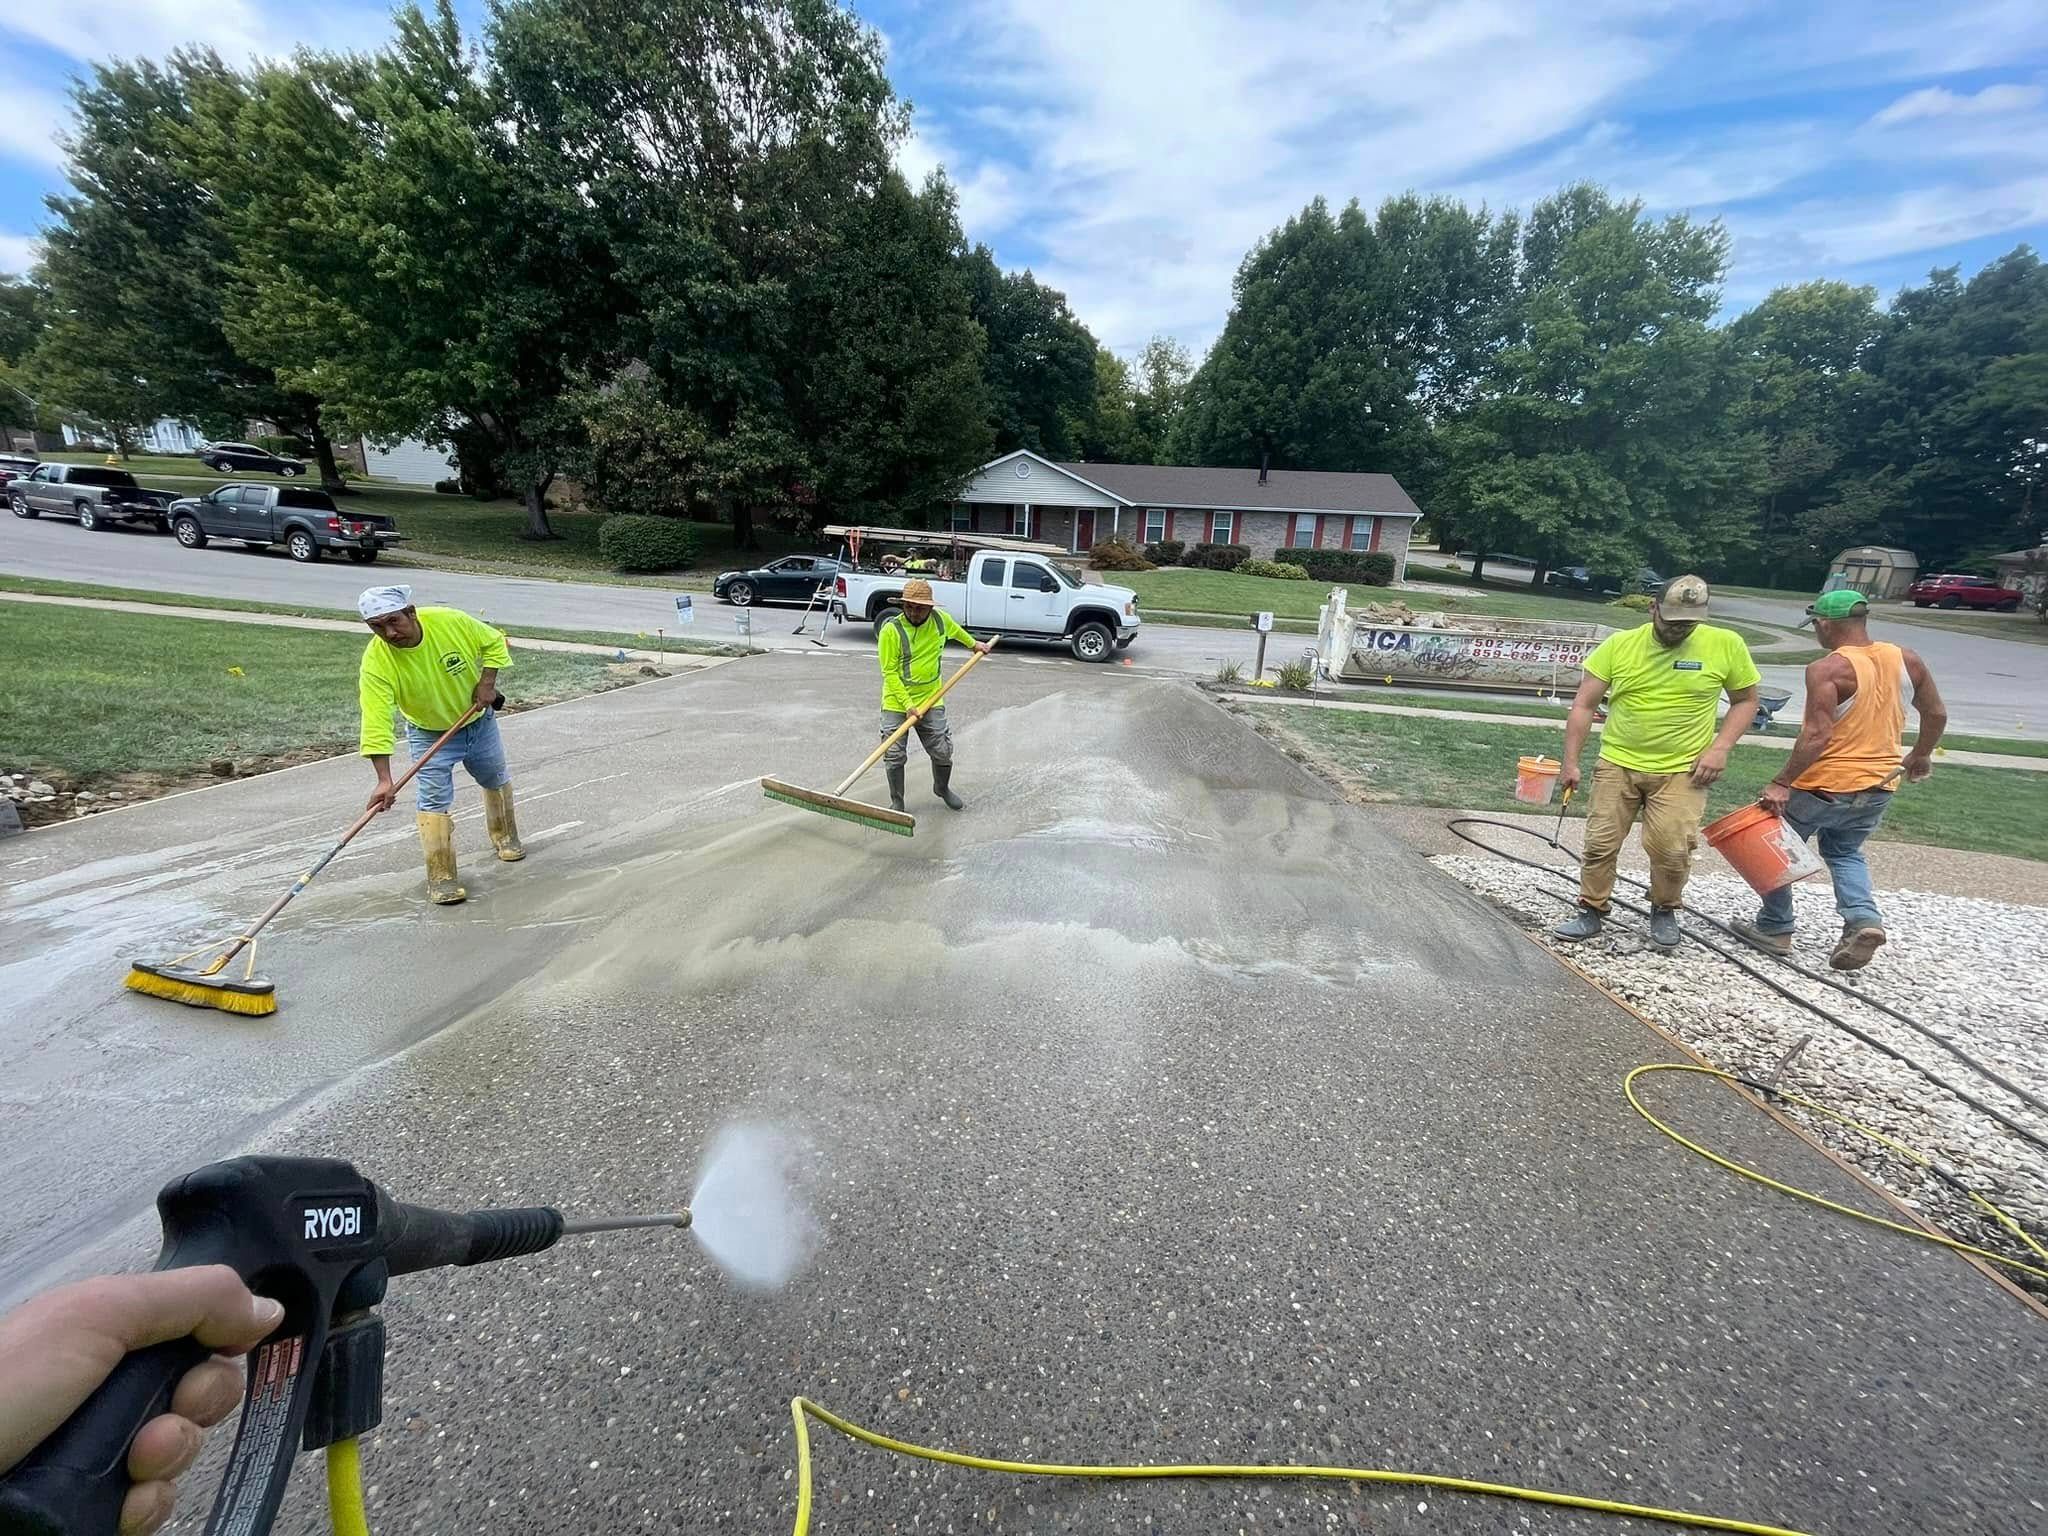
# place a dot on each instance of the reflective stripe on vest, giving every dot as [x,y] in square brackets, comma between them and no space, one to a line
[903,647]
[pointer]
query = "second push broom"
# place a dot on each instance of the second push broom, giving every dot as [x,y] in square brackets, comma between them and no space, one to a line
[833,802]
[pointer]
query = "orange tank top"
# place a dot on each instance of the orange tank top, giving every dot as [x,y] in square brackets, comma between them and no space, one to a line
[1866,745]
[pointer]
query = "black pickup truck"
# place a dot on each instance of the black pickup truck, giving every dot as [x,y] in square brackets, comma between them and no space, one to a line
[98,498]
[306,522]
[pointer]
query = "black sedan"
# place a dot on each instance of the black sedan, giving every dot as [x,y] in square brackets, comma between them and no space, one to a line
[237,457]
[792,579]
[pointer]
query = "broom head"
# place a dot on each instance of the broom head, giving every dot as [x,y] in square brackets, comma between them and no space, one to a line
[859,812]
[186,984]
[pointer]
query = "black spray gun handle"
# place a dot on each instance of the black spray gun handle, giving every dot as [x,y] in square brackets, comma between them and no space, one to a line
[311,1232]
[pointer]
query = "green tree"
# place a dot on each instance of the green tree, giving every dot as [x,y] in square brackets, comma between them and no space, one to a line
[1041,367]
[1605,432]
[1159,391]
[1801,350]
[1110,433]
[24,308]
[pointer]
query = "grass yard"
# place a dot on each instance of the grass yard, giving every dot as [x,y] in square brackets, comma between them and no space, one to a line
[92,695]
[45,588]
[2025,628]
[1469,765]
[1228,594]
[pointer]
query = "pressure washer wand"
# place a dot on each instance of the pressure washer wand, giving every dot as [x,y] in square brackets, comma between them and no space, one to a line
[320,1237]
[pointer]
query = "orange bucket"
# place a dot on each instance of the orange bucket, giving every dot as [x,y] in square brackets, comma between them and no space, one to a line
[1535,780]
[1765,852]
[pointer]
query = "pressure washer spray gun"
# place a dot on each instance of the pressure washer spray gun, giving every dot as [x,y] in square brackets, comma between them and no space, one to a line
[316,1235]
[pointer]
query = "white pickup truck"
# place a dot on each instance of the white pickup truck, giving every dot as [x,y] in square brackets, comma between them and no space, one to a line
[1020,597]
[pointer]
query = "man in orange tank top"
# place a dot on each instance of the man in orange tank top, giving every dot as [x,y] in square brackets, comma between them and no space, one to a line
[1838,777]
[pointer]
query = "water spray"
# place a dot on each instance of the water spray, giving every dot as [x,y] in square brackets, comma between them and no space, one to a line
[318,1236]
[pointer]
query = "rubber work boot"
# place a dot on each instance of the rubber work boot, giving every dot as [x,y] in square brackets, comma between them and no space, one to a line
[1664,930]
[437,838]
[503,825]
[1858,943]
[1586,925]
[895,786]
[942,786]
[1779,944]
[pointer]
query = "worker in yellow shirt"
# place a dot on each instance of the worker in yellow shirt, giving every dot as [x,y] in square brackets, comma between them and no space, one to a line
[1659,749]
[910,647]
[434,666]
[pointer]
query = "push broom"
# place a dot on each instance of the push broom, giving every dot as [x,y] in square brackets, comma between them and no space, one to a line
[834,801]
[204,986]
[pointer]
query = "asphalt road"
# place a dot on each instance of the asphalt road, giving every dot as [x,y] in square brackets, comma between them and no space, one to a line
[1158,1107]
[59,551]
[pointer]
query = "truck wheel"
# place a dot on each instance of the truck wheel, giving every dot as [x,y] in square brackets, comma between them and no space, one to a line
[300,545]
[219,466]
[2011,607]
[1092,642]
[740,594]
[88,519]
[1950,602]
[189,533]
[21,507]
[363,556]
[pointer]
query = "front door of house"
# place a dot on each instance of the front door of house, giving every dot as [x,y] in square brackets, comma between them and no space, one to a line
[1084,530]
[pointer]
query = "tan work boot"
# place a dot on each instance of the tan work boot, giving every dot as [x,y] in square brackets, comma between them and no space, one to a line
[437,839]
[504,828]
[1857,944]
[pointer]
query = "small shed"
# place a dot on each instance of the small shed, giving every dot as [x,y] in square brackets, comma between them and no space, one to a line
[1874,570]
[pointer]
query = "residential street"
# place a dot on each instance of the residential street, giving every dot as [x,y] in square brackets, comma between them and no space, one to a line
[1159,1107]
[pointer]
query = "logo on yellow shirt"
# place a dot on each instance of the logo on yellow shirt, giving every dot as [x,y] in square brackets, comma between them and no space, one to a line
[452,663]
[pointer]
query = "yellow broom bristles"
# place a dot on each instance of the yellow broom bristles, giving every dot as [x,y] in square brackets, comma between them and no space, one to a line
[199,995]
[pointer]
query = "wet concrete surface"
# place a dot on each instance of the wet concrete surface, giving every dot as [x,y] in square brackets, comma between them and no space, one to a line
[1160,1107]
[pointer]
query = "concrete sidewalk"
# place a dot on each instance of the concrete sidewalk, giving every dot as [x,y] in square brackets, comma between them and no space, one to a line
[1159,1107]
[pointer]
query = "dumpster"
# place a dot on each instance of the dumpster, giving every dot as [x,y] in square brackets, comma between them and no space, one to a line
[1382,643]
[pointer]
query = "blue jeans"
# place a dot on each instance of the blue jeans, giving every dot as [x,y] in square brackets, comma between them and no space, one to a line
[1837,829]
[476,746]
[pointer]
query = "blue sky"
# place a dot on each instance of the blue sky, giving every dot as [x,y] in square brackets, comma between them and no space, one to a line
[1129,153]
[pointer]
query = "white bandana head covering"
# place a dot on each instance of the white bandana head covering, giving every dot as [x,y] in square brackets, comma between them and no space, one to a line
[378,601]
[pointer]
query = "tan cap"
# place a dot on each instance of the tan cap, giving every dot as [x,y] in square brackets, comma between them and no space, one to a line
[1684,599]
[917,590]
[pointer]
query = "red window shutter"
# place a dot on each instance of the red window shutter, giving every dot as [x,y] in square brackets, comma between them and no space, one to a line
[1376,526]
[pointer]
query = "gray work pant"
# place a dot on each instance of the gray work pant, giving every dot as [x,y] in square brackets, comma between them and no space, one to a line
[932,730]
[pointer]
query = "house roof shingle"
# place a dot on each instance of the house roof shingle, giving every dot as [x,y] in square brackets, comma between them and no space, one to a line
[1238,490]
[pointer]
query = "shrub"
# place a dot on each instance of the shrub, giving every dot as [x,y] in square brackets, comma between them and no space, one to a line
[1371,568]
[647,543]
[448,487]
[1229,671]
[1116,555]
[1297,676]
[1166,551]
[1218,557]
[1635,602]
[1277,570]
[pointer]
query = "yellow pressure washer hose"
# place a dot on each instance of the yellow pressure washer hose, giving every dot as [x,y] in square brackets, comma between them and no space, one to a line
[344,1470]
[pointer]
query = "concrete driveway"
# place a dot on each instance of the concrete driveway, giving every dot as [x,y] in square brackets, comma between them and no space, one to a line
[1159,1107]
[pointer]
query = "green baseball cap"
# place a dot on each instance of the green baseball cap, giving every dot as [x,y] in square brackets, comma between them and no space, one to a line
[1842,603]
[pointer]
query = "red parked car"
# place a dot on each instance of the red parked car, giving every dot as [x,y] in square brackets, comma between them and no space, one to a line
[1963,592]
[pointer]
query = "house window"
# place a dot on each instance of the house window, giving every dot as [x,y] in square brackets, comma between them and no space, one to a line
[1361,533]
[1155,525]
[1303,534]
[963,519]
[1221,525]
[1020,522]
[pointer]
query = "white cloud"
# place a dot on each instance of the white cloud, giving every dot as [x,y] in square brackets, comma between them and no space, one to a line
[1938,101]
[128,29]
[30,122]
[19,252]
[988,194]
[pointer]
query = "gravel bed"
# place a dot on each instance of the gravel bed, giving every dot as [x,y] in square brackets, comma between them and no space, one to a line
[1975,971]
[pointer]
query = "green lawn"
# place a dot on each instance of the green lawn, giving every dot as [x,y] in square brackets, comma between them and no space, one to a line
[2026,628]
[95,694]
[45,588]
[1230,595]
[1470,765]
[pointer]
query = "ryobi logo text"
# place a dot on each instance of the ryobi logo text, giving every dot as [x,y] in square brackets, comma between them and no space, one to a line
[333,1221]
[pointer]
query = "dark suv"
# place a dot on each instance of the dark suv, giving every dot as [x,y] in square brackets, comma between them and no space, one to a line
[239,456]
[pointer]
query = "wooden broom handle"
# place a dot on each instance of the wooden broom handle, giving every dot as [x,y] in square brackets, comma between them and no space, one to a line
[912,718]
[347,837]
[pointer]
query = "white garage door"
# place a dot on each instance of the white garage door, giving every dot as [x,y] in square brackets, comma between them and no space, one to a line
[411,462]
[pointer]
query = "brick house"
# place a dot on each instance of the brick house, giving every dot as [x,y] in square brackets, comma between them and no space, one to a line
[1272,512]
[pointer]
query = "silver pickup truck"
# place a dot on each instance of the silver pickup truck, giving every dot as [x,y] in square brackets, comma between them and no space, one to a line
[98,498]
